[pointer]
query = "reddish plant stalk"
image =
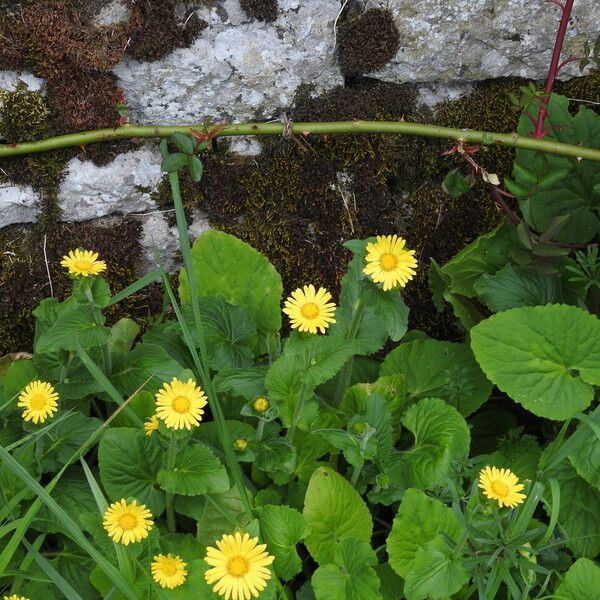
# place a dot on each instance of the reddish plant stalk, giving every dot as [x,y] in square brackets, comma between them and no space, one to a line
[555,64]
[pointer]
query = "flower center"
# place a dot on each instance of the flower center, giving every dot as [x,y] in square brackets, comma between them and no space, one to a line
[237,566]
[169,567]
[310,310]
[181,404]
[388,262]
[83,265]
[37,402]
[500,489]
[127,521]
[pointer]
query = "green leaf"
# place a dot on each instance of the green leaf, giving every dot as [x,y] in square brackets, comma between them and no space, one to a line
[420,519]
[173,162]
[244,383]
[351,577]
[546,357]
[129,465]
[435,573]
[334,511]
[441,438]
[578,514]
[512,287]
[391,585]
[184,143]
[282,528]
[145,363]
[229,333]
[519,453]
[74,327]
[581,582]
[455,183]
[213,523]
[586,457]
[388,307]
[197,471]
[123,334]
[195,168]
[63,440]
[274,454]
[20,373]
[231,268]
[96,287]
[441,369]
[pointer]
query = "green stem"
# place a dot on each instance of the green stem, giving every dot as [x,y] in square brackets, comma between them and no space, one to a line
[260,430]
[171,457]
[201,362]
[283,595]
[363,445]
[300,404]
[512,140]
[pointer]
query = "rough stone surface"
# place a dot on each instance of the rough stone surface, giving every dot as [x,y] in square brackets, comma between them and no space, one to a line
[238,68]
[471,40]
[122,187]
[18,204]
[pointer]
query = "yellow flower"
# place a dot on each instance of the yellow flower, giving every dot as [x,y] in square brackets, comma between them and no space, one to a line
[180,404]
[240,444]
[310,310]
[168,571]
[261,404]
[151,425]
[239,567]
[15,597]
[38,400]
[127,523]
[389,263]
[83,262]
[501,485]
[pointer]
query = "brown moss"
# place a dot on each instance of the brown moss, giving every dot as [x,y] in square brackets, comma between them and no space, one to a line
[262,10]
[582,88]
[24,280]
[159,32]
[367,41]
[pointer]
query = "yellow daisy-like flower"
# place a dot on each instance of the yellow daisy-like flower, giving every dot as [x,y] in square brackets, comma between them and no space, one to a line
[389,263]
[83,262]
[127,523]
[261,404]
[38,400]
[168,571]
[15,597]
[151,425]
[180,404]
[239,567]
[310,310]
[501,485]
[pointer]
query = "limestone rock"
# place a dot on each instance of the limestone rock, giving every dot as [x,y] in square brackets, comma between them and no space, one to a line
[471,40]
[18,204]
[121,187]
[238,68]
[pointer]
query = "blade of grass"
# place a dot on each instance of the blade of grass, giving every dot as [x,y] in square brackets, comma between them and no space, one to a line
[108,387]
[10,505]
[102,504]
[33,437]
[25,564]
[24,523]
[74,531]
[57,579]
[555,491]
[136,286]
[202,365]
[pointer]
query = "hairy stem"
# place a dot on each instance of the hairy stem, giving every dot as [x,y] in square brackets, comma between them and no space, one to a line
[555,64]
[325,128]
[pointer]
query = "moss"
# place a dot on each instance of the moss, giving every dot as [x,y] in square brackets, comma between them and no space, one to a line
[24,280]
[582,88]
[159,31]
[367,41]
[263,10]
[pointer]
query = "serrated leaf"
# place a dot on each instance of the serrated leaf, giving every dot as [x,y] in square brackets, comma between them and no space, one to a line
[227,266]
[183,142]
[282,528]
[129,464]
[196,471]
[351,577]
[581,582]
[547,358]
[173,162]
[195,168]
[420,519]
[441,438]
[455,184]
[72,328]
[443,370]
[512,287]
[334,512]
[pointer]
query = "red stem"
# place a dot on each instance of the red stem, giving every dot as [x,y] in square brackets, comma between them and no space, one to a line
[566,8]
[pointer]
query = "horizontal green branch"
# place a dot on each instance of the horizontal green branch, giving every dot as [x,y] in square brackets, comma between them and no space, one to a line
[388,127]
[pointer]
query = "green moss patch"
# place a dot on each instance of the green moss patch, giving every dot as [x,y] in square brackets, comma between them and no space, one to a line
[262,10]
